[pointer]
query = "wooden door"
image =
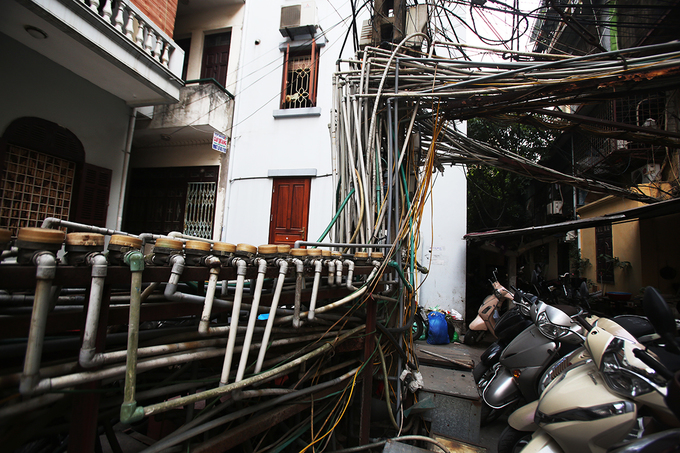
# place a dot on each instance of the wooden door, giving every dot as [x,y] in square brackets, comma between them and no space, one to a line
[290,210]
[216,57]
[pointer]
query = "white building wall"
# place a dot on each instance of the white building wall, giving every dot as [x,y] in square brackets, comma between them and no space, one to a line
[34,86]
[260,143]
[442,248]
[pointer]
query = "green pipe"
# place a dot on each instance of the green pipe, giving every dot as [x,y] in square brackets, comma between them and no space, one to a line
[129,411]
[335,218]
[410,224]
[395,265]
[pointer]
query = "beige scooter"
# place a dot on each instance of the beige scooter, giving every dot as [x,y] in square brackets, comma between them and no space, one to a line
[488,313]
[593,404]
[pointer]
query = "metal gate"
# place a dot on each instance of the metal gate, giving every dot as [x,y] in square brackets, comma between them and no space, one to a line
[200,209]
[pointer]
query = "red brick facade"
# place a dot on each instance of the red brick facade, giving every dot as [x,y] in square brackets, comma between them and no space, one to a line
[161,12]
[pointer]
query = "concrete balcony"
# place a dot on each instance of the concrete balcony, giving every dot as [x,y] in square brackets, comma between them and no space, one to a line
[204,107]
[109,43]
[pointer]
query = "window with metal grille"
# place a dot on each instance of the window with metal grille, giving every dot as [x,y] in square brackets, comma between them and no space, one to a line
[300,77]
[35,186]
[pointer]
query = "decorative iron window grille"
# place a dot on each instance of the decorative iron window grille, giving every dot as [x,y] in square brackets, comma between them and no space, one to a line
[300,77]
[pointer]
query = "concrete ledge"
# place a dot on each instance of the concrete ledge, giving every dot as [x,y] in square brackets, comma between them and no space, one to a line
[297,113]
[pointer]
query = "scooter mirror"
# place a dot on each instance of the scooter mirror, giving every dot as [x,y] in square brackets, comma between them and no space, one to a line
[661,317]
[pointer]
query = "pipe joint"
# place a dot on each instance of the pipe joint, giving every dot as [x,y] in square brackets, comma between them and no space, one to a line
[241,266]
[99,264]
[283,266]
[261,265]
[213,263]
[131,413]
[46,264]
[299,265]
[135,259]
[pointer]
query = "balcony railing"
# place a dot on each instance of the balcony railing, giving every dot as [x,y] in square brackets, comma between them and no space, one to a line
[135,27]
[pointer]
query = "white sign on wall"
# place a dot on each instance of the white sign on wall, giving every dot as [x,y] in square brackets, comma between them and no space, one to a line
[219,142]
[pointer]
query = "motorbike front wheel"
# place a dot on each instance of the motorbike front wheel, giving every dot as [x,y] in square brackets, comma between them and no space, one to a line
[472,337]
[512,440]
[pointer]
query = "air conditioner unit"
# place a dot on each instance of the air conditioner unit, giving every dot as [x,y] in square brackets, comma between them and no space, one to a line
[554,207]
[298,19]
[646,173]
[366,37]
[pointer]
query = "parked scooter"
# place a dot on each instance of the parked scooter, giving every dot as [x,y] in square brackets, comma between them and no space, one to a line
[516,376]
[512,323]
[488,313]
[593,403]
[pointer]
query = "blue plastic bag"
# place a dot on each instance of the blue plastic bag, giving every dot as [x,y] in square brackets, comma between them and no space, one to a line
[439,329]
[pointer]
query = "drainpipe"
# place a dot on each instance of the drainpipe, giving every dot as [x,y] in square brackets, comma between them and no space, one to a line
[46,269]
[126,166]
[283,269]
[299,269]
[241,266]
[129,409]
[87,357]
[318,264]
[261,270]
[214,264]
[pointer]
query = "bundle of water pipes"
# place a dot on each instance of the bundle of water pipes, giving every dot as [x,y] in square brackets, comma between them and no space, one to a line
[188,341]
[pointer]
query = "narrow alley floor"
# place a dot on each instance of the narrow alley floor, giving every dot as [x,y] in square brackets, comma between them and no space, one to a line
[444,355]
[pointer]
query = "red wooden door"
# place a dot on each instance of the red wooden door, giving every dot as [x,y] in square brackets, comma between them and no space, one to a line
[290,210]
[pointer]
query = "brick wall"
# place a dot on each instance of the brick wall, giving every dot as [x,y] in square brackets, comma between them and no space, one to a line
[161,12]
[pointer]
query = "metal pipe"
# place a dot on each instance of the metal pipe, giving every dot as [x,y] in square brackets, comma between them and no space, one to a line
[243,362]
[87,357]
[241,267]
[318,264]
[299,269]
[182,435]
[283,269]
[212,393]
[350,274]
[340,302]
[53,222]
[46,269]
[129,407]
[331,271]
[298,244]
[201,352]
[214,264]
[338,272]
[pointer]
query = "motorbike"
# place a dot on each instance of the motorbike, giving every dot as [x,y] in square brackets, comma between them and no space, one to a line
[594,396]
[488,313]
[511,324]
[521,364]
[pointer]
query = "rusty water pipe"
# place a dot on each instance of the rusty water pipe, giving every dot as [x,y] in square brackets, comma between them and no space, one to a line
[129,408]
[330,263]
[299,269]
